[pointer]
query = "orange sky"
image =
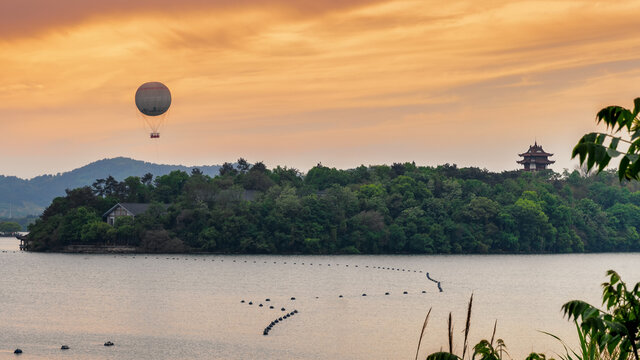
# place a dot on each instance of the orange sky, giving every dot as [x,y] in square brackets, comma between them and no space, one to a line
[339,82]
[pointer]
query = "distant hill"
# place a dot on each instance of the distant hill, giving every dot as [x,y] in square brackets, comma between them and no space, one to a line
[24,197]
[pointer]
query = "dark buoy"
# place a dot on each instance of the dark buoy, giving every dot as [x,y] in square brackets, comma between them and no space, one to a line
[364,294]
[17,351]
[270,307]
[280,318]
[282,309]
[386,293]
[295,311]
[242,301]
[64,347]
[260,305]
[405,293]
[108,343]
[340,296]
[293,298]
[424,292]
[267,299]
[250,302]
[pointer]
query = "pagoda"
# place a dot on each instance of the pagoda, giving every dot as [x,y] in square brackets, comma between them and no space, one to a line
[535,158]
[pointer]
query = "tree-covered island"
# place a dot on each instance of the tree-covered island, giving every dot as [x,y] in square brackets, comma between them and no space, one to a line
[402,208]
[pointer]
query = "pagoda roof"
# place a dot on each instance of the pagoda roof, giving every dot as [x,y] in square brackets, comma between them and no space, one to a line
[535,161]
[535,150]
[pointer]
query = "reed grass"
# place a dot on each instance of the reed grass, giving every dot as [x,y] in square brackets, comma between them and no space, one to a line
[424,326]
[450,335]
[467,327]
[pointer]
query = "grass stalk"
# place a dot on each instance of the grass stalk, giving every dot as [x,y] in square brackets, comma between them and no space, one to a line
[467,327]
[424,326]
[493,336]
[450,335]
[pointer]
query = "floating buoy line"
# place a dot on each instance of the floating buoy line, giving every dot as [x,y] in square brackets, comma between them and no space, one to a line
[280,319]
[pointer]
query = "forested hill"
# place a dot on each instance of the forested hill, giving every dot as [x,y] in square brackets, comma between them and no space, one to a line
[30,197]
[401,208]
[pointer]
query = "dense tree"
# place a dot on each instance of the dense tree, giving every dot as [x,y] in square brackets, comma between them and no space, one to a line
[401,208]
[9,227]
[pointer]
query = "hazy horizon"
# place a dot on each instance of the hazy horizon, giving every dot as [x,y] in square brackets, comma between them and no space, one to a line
[304,171]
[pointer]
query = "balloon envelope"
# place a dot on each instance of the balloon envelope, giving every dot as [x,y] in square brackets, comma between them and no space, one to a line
[153,98]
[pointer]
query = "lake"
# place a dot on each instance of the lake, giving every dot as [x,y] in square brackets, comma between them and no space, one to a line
[189,306]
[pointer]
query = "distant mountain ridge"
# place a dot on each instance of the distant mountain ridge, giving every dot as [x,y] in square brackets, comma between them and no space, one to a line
[21,197]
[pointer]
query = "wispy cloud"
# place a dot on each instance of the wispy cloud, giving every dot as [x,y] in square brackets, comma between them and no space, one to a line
[263,77]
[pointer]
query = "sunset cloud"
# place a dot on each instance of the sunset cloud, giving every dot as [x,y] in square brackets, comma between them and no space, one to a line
[339,82]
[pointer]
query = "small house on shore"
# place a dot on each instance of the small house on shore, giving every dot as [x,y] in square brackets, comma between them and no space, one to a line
[124,209]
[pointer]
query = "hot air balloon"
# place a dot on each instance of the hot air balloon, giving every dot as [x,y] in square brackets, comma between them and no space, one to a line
[153,99]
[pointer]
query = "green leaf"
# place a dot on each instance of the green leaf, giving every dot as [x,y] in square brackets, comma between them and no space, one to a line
[622,168]
[615,116]
[579,150]
[591,156]
[636,106]
[614,143]
[613,153]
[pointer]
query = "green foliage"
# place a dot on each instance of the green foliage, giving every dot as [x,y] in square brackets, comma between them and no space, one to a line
[597,149]
[9,227]
[97,232]
[616,330]
[442,356]
[74,223]
[377,209]
[484,350]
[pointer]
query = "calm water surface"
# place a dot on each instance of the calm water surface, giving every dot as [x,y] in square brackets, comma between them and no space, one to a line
[188,306]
